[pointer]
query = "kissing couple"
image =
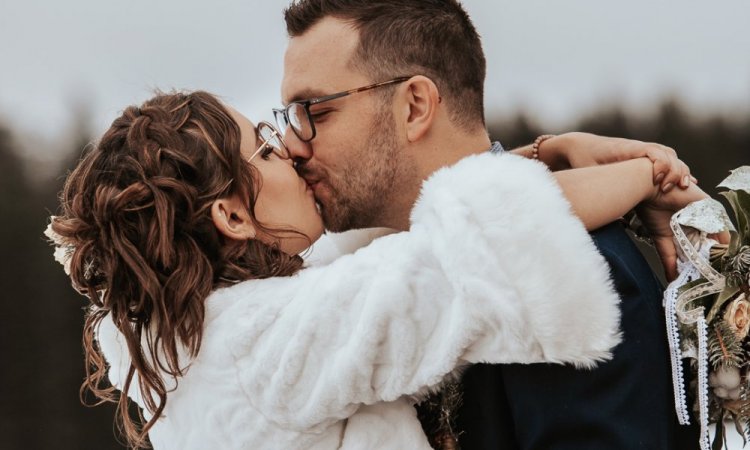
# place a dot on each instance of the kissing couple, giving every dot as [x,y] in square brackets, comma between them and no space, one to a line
[505,308]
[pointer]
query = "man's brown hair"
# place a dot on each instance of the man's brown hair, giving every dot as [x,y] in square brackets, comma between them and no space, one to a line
[434,38]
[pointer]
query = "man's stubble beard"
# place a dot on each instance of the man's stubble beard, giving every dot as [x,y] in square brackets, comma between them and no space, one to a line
[361,196]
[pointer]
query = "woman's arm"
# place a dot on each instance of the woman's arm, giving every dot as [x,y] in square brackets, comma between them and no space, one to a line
[577,150]
[602,194]
[495,269]
[615,184]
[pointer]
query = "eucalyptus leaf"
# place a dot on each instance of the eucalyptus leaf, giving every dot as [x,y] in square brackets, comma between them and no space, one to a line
[740,203]
[724,296]
[743,198]
[735,243]
[727,293]
[739,179]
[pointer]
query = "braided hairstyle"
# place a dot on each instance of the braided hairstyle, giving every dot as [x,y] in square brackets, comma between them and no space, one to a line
[136,211]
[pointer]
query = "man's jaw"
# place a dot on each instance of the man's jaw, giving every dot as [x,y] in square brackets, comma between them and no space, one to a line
[320,204]
[323,194]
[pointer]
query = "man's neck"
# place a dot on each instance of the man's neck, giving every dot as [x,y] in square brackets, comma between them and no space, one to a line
[450,150]
[439,152]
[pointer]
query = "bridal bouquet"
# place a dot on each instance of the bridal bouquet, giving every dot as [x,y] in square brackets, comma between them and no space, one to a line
[708,312]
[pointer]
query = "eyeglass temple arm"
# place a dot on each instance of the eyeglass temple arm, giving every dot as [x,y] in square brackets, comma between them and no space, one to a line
[326,98]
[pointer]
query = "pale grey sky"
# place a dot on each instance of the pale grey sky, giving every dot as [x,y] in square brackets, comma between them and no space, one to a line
[556,59]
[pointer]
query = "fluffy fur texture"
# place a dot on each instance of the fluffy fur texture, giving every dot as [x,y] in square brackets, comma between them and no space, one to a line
[494,269]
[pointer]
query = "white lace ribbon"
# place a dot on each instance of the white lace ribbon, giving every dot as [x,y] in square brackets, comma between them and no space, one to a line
[705,216]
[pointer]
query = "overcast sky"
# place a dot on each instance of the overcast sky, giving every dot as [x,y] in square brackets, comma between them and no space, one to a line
[557,59]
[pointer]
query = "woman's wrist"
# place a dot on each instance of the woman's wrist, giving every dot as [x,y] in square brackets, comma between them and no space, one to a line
[571,150]
[554,151]
[643,175]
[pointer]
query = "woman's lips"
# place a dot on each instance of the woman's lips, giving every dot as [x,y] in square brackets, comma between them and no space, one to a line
[311,192]
[312,184]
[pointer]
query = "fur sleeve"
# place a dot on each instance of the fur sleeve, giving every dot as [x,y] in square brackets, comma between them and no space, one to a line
[495,269]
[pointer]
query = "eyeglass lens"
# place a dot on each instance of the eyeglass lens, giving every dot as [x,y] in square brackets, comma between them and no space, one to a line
[273,139]
[295,115]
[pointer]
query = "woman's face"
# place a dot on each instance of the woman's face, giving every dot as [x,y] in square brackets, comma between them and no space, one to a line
[285,201]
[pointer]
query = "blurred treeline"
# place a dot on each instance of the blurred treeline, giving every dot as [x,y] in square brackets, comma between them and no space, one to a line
[711,144]
[40,329]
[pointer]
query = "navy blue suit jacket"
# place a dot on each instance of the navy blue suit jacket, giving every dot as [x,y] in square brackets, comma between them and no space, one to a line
[625,403]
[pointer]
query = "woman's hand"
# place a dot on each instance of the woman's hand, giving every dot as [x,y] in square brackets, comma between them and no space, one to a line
[655,214]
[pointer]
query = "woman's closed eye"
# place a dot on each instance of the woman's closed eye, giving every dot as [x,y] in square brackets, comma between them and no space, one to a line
[266,152]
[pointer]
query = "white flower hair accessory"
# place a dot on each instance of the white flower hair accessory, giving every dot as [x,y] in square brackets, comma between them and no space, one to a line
[63,250]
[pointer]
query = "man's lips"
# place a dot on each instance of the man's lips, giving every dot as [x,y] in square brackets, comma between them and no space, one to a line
[312,183]
[311,187]
[312,178]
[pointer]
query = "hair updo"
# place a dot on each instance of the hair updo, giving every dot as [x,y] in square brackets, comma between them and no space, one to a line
[136,212]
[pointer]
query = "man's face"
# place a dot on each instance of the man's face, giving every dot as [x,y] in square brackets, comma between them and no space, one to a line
[352,162]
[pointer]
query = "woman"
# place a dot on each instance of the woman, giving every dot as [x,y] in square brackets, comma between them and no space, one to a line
[184,224]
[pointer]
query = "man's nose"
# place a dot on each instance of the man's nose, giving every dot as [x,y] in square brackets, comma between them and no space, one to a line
[299,151]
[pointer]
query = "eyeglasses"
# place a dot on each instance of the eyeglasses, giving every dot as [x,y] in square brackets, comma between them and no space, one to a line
[297,114]
[272,142]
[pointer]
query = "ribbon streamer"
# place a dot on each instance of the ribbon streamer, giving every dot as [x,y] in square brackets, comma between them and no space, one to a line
[703,217]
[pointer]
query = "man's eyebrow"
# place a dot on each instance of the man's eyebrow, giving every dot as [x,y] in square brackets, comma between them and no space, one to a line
[306,94]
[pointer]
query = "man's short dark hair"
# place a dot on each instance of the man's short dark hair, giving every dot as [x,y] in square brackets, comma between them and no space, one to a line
[434,38]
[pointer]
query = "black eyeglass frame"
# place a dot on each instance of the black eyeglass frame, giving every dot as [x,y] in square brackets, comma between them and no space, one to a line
[281,115]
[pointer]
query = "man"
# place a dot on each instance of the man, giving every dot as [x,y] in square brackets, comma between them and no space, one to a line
[380,94]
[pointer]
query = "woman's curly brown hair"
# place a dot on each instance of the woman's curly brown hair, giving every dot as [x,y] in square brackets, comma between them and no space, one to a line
[136,209]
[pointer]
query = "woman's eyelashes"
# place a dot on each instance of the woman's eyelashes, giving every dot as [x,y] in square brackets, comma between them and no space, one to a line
[266,152]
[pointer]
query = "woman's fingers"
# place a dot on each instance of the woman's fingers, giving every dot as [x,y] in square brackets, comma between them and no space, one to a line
[667,251]
[669,170]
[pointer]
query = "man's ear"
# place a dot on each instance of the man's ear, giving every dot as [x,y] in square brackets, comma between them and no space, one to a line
[422,100]
[231,218]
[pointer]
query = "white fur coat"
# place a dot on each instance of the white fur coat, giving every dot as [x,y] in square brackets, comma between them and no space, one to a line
[495,269]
